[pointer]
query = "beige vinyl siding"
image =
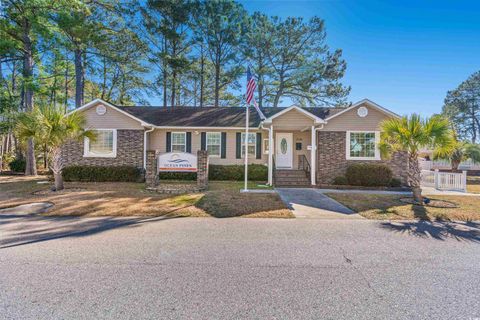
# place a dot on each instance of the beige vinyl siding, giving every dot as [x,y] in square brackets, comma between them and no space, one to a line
[350,121]
[305,138]
[158,138]
[112,119]
[292,120]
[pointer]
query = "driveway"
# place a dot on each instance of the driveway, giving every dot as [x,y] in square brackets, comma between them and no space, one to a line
[239,268]
[312,203]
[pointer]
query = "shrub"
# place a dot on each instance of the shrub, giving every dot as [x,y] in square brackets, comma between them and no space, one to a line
[103,173]
[17,165]
[339,181]
[256,172]
[395,182]
[369,175]
[178,176]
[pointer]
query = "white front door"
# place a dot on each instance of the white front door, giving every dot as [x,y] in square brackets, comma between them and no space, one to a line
[284,151]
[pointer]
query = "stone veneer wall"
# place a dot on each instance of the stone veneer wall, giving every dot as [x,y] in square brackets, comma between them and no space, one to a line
[129,151]
[151,172]
[202,167]
[332,162]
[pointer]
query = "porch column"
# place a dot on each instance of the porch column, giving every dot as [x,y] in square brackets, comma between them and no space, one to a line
[313,157]
[270,155]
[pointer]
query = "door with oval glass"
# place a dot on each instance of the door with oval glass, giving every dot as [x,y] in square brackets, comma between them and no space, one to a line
[284,150]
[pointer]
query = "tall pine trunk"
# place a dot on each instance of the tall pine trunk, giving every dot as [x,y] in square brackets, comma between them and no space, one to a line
[279,93]
[65,102]
[174,88]
[31,166]
[202,74]
[78,78]
[174,76]
[164,65]
[217,82]
[2,151]
[104,75]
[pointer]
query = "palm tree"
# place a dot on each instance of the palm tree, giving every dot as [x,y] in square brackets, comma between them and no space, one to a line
[461,151]
[410,135]
[49,126]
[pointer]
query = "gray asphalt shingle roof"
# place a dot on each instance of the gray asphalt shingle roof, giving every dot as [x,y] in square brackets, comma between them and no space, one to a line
[210,116]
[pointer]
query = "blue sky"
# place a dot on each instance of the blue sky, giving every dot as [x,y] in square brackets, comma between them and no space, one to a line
[404,55]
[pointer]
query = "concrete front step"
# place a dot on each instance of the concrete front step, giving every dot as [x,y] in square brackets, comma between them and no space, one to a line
[292,183]
[290,173]
[293,186]
[291,178]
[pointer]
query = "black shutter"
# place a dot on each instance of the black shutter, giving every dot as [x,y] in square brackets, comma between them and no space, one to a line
[203,141]
[169,141]
[189,142]
[223,147]
[259,145]
[239,146]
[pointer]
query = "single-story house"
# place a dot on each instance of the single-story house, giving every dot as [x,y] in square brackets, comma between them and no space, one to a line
[300,146]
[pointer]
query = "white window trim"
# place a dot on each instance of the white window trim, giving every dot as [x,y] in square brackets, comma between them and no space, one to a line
[377,151]
[265,141]
[206,144]
[242,144]
[86,146]
[171,140]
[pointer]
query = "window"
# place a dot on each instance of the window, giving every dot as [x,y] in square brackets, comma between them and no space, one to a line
[252,144]
[104,145]
[362,145]
[266,144]
[214,143]
[179,141]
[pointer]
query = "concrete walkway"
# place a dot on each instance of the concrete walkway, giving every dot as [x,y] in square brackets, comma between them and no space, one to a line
[312,203]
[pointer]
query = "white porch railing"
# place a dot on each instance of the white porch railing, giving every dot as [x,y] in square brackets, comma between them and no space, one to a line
[445,165]
[444,180]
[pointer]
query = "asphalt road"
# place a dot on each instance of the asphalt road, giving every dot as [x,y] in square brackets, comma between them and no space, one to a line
[240,268]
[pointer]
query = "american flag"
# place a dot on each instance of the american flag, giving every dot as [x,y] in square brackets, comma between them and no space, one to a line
[251,86]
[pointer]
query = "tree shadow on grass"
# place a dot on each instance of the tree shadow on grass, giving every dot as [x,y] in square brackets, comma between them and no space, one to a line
[440,230]
[64,227]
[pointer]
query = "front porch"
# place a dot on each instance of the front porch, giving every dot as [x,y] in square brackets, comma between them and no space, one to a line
[291,148]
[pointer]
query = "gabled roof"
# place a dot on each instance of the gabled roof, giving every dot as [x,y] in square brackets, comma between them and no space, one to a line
[100,101]
[310,114]
[221,117]
[212,116]
[367,102]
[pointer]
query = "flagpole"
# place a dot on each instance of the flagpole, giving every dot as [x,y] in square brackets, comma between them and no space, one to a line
[246,149]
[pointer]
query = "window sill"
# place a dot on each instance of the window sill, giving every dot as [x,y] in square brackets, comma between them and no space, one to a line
[364,158]
[99,155]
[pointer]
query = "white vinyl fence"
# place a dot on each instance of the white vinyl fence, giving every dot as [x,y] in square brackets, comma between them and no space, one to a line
[445,165]
[444,180]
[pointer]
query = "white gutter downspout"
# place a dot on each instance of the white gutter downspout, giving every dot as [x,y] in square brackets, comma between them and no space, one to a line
[313,155]
[145,147]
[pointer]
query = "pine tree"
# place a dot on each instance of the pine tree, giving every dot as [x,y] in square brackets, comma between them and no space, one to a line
[462,107]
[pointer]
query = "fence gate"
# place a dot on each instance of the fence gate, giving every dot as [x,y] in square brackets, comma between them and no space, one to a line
[444,180]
